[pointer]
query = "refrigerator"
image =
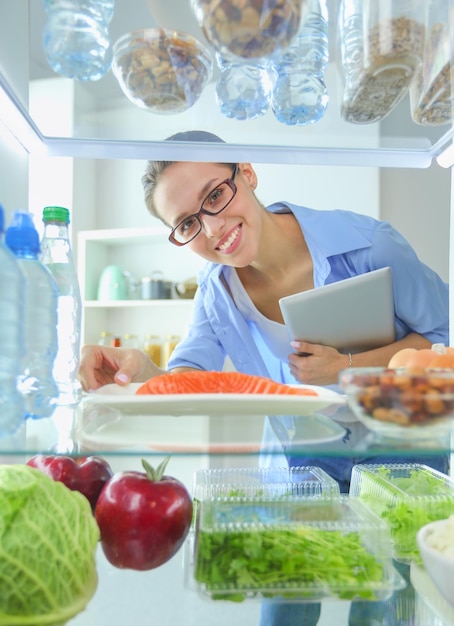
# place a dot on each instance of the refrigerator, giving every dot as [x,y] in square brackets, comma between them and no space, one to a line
[83,145]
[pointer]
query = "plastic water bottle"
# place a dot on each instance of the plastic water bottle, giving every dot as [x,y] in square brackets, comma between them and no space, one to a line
[12,286]
[57,256]
[76,37]
[243,90]
[300,95]
[35,382]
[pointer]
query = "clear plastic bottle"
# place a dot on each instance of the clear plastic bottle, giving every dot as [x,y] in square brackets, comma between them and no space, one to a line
[243,90]
[76,37]
[57,255]
[36,381]
[12,286]
[300,95]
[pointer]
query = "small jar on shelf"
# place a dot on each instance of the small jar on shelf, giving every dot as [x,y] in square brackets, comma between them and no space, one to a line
[152,346]
[170,343]
[105,338]
[130,341]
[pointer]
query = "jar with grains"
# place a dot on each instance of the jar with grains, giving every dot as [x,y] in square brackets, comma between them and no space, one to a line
[170,343]
[130,341]
[105,338]
[381,47]
[249,29]
[152,346]
[431,99]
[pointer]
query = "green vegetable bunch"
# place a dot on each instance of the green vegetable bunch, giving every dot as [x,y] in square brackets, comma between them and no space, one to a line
[407,502]
[306,559]
[48,539]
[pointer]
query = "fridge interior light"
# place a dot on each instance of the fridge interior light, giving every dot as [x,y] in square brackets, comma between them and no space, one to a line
[446,158]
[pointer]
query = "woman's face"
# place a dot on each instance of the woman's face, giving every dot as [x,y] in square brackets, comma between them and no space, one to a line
[232,236]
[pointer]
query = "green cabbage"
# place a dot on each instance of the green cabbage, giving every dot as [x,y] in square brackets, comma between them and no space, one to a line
[48,539]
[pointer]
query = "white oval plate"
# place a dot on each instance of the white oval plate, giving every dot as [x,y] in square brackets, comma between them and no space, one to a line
[124,400]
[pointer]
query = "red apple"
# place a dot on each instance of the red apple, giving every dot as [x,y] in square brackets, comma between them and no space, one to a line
[87,474]
[143,517]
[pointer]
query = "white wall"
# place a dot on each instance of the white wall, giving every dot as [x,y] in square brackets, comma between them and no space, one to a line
[417,203]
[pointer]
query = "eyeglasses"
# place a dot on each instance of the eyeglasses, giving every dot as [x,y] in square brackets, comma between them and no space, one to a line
[216,201]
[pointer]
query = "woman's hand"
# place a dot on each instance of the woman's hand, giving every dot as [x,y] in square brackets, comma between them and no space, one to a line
[100,365]
[320,367]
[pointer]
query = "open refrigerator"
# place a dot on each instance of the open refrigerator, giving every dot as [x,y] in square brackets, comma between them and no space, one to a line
[91,124]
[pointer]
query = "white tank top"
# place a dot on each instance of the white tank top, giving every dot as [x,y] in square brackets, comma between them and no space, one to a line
[274,334]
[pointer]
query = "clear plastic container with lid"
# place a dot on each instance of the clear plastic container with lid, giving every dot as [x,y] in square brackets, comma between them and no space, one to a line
[290,547]
[405,495]
[380,50]
[431,98]
[249,29]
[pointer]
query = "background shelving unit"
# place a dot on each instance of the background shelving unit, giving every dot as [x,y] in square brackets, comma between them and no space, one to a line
[138,251]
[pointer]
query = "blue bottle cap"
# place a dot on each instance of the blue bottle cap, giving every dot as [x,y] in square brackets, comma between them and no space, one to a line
[21,236]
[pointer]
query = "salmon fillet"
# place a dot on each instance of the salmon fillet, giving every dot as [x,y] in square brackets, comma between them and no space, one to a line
[218,382]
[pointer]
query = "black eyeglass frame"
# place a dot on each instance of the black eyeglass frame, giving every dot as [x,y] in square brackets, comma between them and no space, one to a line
[231,183]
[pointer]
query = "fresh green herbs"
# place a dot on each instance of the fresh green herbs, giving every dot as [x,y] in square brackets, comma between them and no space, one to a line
[406,500]
[299,561]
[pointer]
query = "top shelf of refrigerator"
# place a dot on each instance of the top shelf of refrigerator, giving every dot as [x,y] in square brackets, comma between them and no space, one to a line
[101,122]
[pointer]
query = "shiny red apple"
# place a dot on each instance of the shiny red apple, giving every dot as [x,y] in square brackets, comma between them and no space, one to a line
[87,474]
[143,517]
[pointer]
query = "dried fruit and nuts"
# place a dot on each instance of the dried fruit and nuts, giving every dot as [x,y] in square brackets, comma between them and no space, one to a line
[404,398]
[249,28]
[162,70]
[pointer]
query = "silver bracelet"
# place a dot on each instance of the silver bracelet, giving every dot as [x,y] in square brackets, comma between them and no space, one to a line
[350,360]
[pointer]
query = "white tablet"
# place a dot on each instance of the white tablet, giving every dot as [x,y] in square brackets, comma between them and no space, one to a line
[352,315]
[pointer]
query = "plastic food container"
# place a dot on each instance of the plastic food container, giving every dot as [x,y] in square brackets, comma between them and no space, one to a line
[380,49]
[161,70]
[399,404]
[406,496]
[263,483]
[249,28]
[264,534]
[431,99]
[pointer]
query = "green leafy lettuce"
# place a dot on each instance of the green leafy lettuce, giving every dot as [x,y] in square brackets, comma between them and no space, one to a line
[48,539]
[406,503]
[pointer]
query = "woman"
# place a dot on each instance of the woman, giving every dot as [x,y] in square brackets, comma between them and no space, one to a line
[255,256]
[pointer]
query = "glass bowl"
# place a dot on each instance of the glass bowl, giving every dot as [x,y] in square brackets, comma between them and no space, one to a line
[249,29]
[401,403]
[161,70]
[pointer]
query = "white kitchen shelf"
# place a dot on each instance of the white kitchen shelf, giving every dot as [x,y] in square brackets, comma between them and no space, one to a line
[138,304]
[138,251]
